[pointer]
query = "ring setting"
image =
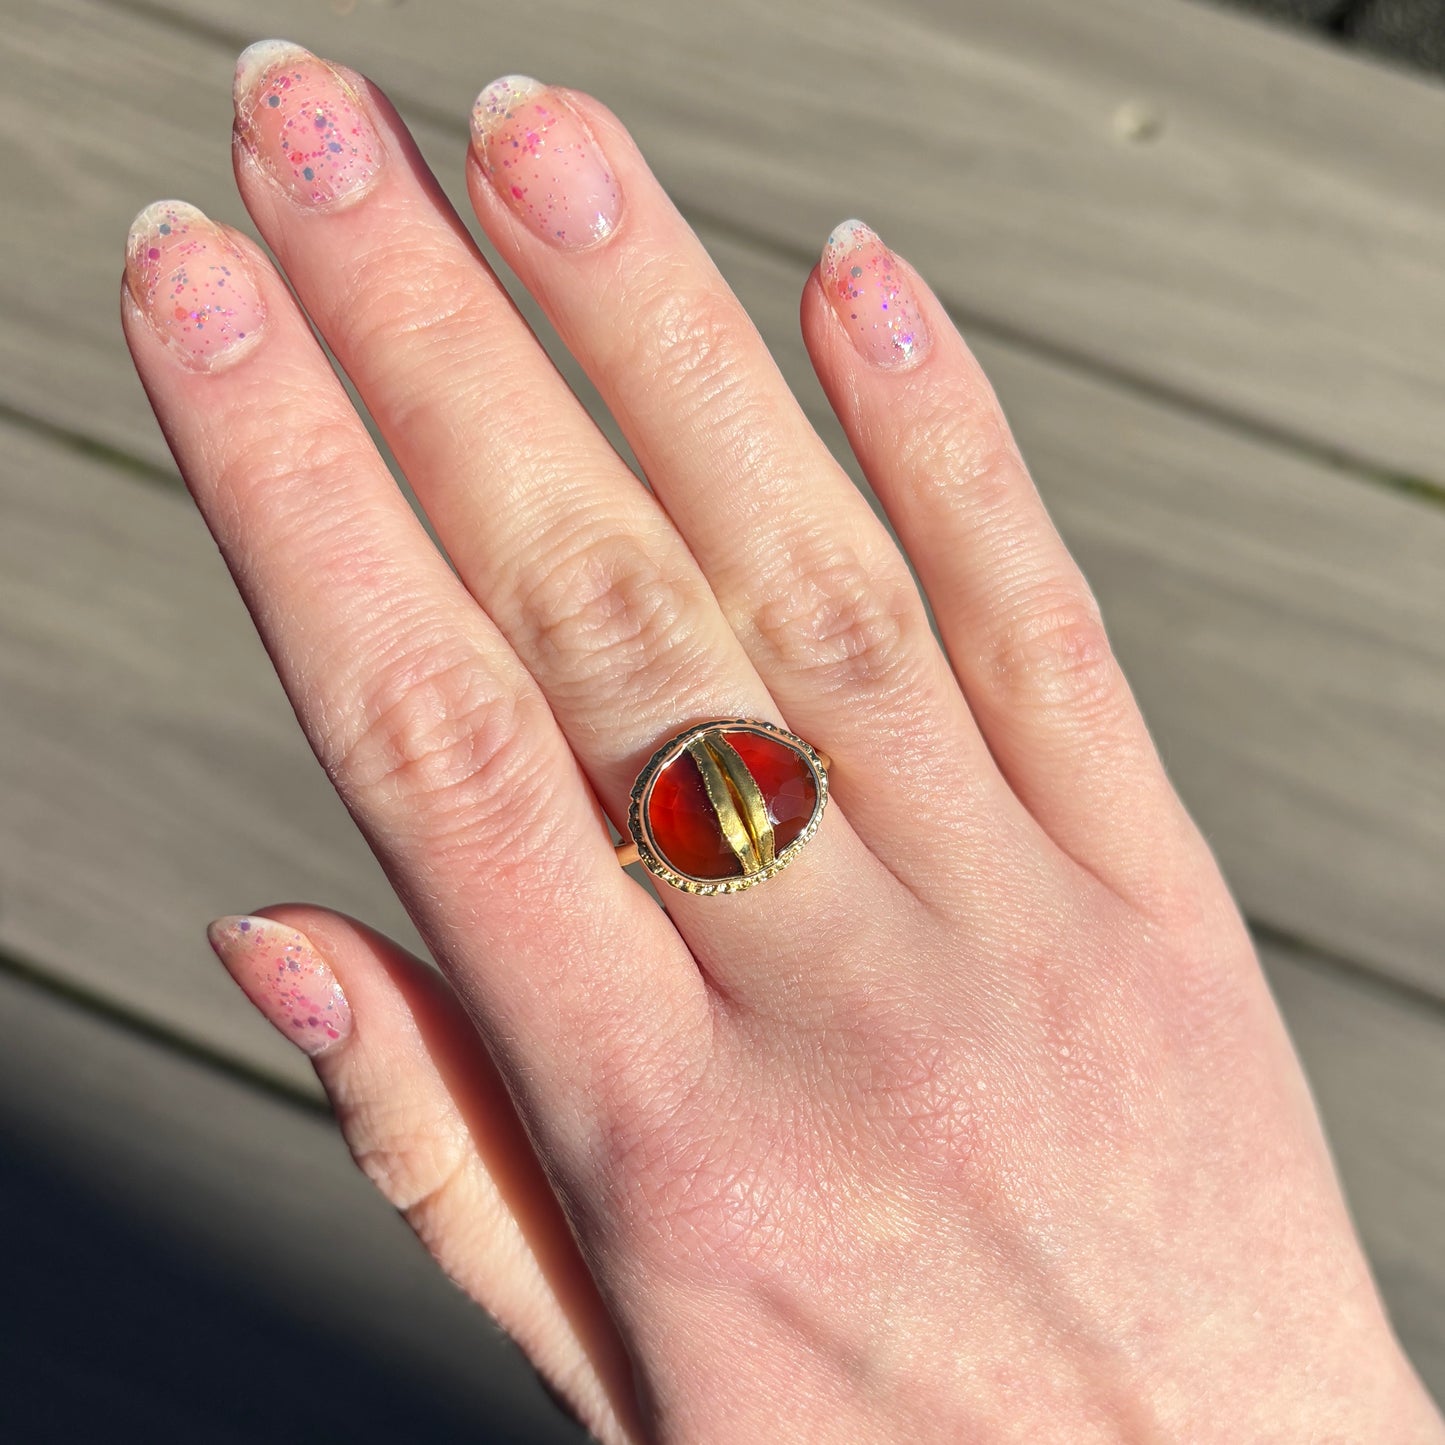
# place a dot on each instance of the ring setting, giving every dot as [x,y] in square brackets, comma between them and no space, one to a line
[725,805]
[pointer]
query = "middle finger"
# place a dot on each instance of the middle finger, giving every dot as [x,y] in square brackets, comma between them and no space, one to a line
[575,562]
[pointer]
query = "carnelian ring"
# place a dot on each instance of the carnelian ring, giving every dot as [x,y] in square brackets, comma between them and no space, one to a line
[725,805]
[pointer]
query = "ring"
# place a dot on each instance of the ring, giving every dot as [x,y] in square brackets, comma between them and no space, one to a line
[725,805]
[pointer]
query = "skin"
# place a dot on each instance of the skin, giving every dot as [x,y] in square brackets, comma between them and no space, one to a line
[977,1123]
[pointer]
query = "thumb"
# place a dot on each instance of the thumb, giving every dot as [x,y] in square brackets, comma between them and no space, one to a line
[429,1121]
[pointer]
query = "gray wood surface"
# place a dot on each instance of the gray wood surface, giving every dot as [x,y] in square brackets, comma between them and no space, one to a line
[187,1258]
[1187,332]
[1279,617]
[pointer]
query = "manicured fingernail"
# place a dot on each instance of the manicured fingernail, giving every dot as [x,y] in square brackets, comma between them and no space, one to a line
[544,163]
[283,975]
[304,123]
[193,283]
[873,299]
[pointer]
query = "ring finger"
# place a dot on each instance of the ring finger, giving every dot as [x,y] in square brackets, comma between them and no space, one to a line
[577,564]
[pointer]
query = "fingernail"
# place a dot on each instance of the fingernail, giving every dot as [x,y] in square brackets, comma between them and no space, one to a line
[304,123]
[873,299]
[193,283]
[544,163]
[284,976]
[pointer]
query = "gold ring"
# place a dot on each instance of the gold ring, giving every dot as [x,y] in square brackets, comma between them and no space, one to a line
[725,805]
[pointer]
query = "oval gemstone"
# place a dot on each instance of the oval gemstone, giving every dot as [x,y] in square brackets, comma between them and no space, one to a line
[722,811]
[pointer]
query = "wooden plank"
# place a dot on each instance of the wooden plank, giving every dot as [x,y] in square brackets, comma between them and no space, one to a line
[194,1260]
[1280,625]
[1376,1063]
[1277,252]
[121,698]
[1402,30]
[152,776]
[1278,621]
[1293,676]
[1201,202]
[153,1196]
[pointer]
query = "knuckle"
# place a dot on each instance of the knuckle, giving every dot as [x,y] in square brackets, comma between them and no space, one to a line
[850,623]
[693,341]
[408,1154]
[439,739]
[296,476]
[424,1165]
[1054,654]
[603,604]
[962,441]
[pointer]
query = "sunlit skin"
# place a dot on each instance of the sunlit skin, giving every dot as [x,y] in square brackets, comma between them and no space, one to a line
[975,1123]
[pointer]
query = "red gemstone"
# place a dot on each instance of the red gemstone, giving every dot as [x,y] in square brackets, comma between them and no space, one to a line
[684,825]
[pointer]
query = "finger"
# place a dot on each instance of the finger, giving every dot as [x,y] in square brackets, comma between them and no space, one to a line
[805,574]
[574,561]
[428,1121]
[1019,621]
[432,731]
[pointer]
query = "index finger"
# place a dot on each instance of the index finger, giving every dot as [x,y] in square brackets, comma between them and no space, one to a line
[432,731]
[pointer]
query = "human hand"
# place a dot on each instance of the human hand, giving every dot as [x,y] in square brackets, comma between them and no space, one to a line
[978,1120]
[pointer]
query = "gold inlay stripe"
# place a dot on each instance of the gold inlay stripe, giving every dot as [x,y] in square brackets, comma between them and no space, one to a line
[749,797]
[724,805]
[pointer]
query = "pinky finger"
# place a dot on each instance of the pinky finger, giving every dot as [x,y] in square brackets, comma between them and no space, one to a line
[428,1120]
[1018,619]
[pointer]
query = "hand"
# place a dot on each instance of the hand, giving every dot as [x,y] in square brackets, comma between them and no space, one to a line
[977,1122]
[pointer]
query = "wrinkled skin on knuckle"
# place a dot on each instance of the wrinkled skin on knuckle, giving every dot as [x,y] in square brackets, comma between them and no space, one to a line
[410,283]
[305,476]
[602,604]
[849,620]
[427,1168]
[958,448]
[404,1148]
[1051,654]
[694,344]
[682,335]
[439,745]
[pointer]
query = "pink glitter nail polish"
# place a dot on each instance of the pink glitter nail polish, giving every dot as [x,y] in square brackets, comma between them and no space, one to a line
[872,297]
[193,283]
[304,123]
[544,163]
[288,981]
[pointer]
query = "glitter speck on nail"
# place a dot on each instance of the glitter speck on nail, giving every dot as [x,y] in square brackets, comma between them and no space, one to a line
[870,294]
[307,128]
[545,165]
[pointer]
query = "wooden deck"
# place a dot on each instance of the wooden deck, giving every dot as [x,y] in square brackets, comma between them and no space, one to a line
[1204,261]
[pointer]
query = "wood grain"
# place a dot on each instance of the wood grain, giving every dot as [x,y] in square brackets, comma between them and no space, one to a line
[198,1261]
[1280,621]
[1154,311]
